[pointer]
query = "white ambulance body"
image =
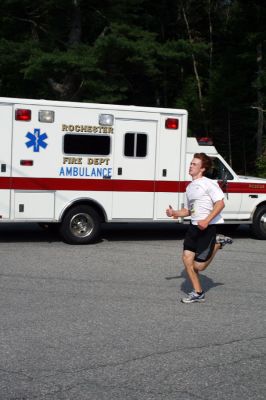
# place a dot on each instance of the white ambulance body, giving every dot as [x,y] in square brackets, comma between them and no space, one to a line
[78,165]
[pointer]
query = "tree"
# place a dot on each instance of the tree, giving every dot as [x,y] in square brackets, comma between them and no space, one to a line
[207,56]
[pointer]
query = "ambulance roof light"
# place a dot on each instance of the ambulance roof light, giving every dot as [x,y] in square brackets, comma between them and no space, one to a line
[171,123]
[205,141]
[106,119]
[22,114]
[46,116]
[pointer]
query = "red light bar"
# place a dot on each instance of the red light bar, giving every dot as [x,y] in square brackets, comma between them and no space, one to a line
[171,123]
[23,115]
[205,141]
[26,163]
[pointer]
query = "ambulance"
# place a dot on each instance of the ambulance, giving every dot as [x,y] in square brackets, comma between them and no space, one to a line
[75,166]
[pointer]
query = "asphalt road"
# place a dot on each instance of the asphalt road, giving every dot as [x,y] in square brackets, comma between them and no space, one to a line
[105,321]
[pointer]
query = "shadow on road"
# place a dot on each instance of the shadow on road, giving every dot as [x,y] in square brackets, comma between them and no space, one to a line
[26,232]
[31,232]
[186,287]
[161,231]
[143,231]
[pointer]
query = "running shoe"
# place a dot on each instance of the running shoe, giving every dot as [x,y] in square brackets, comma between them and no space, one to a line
[223,240]
[194,297]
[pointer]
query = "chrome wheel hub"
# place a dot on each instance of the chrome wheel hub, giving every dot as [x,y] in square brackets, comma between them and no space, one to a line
[263,222]
[81,225]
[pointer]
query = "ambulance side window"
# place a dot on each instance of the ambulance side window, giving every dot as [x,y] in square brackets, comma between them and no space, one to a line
[135,144]
[87,144]
[219,171]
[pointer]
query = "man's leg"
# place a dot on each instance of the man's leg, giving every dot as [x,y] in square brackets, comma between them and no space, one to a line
[188,260]
[197,295]
[221,241]
[193,267]
[201,266]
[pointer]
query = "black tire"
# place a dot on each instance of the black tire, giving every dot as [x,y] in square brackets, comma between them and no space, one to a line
[258,227]
[80,225]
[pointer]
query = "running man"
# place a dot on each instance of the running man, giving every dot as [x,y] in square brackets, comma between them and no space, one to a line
[204,203]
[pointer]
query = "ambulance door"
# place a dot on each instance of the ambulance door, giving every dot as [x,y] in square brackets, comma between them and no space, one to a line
[134,169]
[170,169]
[5,160]
[228,182]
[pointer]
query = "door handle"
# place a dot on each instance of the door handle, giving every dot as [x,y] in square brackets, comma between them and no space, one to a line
[119,171]
[3,167]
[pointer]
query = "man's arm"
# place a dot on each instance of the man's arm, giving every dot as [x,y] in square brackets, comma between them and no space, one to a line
[217,208]
[183,212]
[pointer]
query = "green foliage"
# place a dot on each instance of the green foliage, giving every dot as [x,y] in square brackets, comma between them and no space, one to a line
[261,163]
[199,55]
[261,166]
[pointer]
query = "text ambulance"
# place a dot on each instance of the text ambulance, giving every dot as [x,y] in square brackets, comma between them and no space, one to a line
[79,165]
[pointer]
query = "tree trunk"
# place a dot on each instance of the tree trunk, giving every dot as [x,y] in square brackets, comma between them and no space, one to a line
[195,68]
[70,86]
[260,102]
[75,32]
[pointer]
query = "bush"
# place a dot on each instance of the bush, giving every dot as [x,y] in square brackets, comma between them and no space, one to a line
[261,166]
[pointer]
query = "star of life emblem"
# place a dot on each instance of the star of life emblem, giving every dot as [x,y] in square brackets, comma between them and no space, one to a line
[36,140]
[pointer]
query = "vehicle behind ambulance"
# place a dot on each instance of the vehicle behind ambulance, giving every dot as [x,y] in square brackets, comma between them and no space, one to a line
[77,165]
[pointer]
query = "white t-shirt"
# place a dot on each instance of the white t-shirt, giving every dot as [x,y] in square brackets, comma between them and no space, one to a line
[201,194]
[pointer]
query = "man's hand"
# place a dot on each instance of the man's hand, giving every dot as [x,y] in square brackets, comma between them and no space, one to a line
[203,224]
[184,212]
[170,212]
[217,208]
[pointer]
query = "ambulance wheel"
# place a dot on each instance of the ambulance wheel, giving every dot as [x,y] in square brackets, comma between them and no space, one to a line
[80,225]
[258,227]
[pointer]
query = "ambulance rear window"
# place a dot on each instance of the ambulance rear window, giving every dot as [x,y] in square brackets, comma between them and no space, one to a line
[87,144]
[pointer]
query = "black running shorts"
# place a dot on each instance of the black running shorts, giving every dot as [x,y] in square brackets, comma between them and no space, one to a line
[200,242]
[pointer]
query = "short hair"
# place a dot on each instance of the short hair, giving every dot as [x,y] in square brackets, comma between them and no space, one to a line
[206,161]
